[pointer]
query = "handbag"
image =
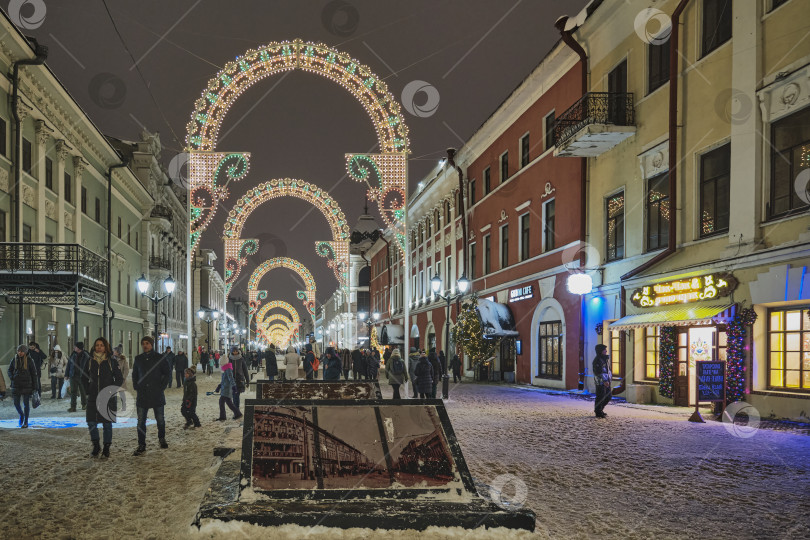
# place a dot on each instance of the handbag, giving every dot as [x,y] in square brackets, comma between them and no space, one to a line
[65,388]
[35,400]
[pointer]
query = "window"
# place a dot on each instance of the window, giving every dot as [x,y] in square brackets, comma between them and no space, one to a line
[3,138]
[447,216]
[98,210]
[550,354]
[616,354]
[26,155]
[427,227]
[472,261]
[614,213]
[716,24]
[448,270]
[48,239]
[776,3]
[2,226]
[486,255]
[487,181]
[504,166]
[84,199]
[119,227]
[652,339]
[657,212]
[789,349]
[715,174]
[790,154]
[472,192]
[68,188]
[136,242]
[129,289]
[436,220]
[524,236]
[26,233]
[129,234]
[49,173]
[657,65]
[524,150]
[548,225]
[504,246]
[119,286]
[548,124]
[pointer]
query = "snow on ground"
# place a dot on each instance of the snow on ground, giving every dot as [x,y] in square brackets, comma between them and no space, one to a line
[641,473]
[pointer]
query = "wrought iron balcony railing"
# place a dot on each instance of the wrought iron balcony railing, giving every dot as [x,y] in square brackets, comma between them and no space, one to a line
[595,108]
[160,211]
[160,263]
[52,259]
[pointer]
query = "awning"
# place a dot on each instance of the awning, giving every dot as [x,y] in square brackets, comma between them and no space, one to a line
[677,316]
[496,319]
[392,334]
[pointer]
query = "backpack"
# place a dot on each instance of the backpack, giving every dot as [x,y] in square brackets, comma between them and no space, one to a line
[398,366]
[316,364]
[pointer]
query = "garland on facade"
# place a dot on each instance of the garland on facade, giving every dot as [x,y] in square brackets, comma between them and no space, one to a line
[668,351]
[735,354]
[469,335]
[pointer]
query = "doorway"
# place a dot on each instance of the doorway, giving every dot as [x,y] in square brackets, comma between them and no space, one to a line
[695,344]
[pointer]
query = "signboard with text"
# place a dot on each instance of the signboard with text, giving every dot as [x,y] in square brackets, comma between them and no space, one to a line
[521,293]
[683,291]
[711,381]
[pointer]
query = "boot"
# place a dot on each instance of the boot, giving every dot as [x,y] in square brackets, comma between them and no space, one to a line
[140,450]
[163,443]
[96,449]
[72,409]
[106,452]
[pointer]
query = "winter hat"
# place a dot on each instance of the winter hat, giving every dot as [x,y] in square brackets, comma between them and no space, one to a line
[395,353]
[150,339]
[80,345]
[330,350]
[57,348]
[192,369]
[22,348]
[601,348]
[119,348]
[413,349]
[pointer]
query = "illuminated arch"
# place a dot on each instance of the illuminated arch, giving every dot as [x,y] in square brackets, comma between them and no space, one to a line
[278,304]
[389,167]
[237,249]
[307,296]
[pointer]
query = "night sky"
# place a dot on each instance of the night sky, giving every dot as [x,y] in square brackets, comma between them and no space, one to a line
[474,52]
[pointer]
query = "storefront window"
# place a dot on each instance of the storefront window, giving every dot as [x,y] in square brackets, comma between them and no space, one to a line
[615,353]
[652,338]
[549,340]
[789,349]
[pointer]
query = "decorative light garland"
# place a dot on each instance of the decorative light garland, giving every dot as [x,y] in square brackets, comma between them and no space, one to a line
[736,353]
[255,296]
[468,333]
[278,304]
[668,351]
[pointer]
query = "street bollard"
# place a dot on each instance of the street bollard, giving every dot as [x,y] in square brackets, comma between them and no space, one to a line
[445,386]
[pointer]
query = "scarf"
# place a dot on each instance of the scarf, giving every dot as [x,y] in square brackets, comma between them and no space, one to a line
[99,357]
[232,357]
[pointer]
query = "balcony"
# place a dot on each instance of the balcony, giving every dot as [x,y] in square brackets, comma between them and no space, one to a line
[594,124]
[163,212]
[159,263]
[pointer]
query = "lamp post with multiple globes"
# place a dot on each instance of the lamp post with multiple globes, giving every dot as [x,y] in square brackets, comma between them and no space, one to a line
[436,286]
[143,287]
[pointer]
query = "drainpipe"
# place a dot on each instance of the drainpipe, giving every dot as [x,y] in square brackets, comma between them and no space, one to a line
[673,166]
[451,154]
[109,314]
[569,40]
[41,54]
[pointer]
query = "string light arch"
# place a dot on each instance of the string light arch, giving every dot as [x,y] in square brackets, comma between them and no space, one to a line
[277,304]
[307,296]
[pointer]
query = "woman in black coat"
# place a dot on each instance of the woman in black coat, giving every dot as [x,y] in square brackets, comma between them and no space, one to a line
[103,380]
[24,378]
[423,383]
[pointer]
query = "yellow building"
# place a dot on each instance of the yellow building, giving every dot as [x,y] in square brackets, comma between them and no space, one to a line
[723,137]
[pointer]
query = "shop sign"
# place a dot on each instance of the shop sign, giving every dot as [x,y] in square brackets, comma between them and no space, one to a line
[711,381]
[521,293]
[684,291]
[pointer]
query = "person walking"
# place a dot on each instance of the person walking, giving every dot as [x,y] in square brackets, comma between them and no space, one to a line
[395,372]
[437,371]
[204,360]
[356,360]
[123,365]
[150,375]
[189,407]
[443,362]
[291,361]
[424,378]
[180,365]
[373,365]
[309,362]
[56,369]
[103,372]
[22,373]
[226,389]
[36,354]
[240,373]
[413,360]
[334,365]
[602,378]
[217,356]
[169,357]
[455,365]
[271,364]
[77,365]
[346,363]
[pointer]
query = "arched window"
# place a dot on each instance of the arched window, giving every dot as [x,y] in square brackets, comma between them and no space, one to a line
[364,277]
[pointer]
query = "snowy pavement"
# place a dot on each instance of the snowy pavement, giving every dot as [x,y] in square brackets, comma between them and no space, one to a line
[640,473]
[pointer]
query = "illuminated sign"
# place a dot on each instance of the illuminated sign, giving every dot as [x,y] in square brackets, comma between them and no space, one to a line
[684,291]
[521,293]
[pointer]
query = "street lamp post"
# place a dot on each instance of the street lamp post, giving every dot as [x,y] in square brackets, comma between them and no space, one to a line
[208,316]
[370,321]
[436,285]
[143,288]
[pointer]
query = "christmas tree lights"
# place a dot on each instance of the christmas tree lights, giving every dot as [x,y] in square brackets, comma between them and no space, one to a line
[668,351]
[736,354]
[468,333]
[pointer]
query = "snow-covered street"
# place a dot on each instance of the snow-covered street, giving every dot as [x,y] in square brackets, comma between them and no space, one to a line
[640,473]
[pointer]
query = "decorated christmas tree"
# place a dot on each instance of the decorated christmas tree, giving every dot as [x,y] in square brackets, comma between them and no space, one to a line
[469,335]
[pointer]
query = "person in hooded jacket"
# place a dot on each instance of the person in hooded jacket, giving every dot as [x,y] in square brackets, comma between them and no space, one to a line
[240,373]
[270,364]
[291,361]
[455,365]
[333,366]
[372,365]
[424,378]
[226,389]
[150,376]
[413,360]
[357,364]
[169,356]
[22,372]
[77,364]
[180,365]
[437,371]
[189,407]
[309,358]
[56,369]
[101,374]
[396,372]
[123,365]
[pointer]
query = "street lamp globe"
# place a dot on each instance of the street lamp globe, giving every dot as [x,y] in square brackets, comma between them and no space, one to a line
[244,331]
[436,284]
[169,285]
[579,283]
[235,326]
[143,284]
[376,316]
[216,314]
[362,315]
[201,313]
[463,284]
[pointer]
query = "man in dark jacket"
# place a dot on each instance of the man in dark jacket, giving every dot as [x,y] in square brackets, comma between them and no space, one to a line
[169,356]
[437,371]
[150,374]
[356,364]
[76,371]
[413,359]
[180,365]
[241,374]
[309,358]
[346,363]
[36,354]
[333,365]
[271,366]
[455,365]
[189,407]
[602,377]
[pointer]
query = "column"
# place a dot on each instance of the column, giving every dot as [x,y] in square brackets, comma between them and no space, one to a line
[43,134]
[63,150]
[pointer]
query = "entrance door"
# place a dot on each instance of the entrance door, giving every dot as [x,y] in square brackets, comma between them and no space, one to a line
[695,344]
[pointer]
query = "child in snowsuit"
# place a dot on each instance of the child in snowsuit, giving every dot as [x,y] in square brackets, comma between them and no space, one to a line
[189,407]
